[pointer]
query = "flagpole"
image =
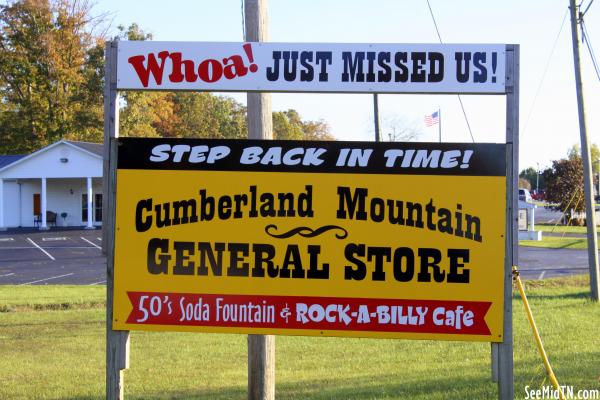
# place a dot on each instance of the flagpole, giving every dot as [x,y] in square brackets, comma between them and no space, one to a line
[440,123]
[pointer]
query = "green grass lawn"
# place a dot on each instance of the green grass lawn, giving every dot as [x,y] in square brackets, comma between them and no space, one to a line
[563,228]
[52,347]
[556,242]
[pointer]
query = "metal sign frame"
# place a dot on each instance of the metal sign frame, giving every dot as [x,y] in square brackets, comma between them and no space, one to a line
[117,342]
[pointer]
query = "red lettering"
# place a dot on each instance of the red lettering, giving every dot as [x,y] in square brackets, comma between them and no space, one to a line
[210,70]
[152,67]
[248,49]
[234,66]
[176,75]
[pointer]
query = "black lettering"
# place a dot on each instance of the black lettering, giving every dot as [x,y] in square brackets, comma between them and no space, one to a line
[377,209]
[479,69]
[143,223]
[430,209]
[235,269]
[163,220]
[292,258]
[353,66]
[216,262]
[453,275]
[345,199]
[360,272]
[400,60]
[189,212]
[371,66]
[225,207]
[314,272]
[207,206]
[400,274]
[183,265]
[378,253]
[430,258]
[436,67]
[263,255]
[385,72]
[290,65]
[324,59]
[463,63]
[418,70]
[273,72]
[158,263]
[308,73]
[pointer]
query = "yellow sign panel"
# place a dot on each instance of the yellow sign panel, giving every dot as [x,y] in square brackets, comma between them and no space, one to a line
[282,248]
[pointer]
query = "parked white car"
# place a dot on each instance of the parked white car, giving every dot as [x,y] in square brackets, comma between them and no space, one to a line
[525,196]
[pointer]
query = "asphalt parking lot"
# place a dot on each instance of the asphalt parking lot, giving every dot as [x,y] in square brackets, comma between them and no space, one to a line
[52,257]
[74,257]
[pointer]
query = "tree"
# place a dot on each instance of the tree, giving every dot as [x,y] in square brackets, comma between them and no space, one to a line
[146,114]
[564,186]
[206,115]
[575,152]
[288,125]
[397,129]
[531,175]
[524,184]
[50,73]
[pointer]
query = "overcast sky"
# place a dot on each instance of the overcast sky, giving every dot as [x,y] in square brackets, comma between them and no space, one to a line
[548,110]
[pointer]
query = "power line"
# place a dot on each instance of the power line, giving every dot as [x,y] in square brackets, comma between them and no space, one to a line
[434,23]
[537,92]
[586,9]
[586,39]
[243,22]
[458,95]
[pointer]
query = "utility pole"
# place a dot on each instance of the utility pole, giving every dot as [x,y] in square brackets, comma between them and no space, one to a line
[376,117]
[590,211]
[440,123]
[537,179]
[261,348]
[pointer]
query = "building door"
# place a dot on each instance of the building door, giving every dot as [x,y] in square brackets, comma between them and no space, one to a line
[96,210]
[37,208]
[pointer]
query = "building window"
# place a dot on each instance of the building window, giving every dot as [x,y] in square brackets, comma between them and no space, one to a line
[96,207]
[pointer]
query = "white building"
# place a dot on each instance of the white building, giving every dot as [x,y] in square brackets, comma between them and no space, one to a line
[62,181]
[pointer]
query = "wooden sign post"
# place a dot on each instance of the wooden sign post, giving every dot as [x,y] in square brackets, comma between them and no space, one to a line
[261,348]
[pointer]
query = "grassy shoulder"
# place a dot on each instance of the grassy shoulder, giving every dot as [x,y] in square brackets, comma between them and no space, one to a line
[58,353]
[556,242]
[563,229]
[51,297]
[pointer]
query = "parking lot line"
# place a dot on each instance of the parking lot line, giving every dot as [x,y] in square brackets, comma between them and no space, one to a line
[92,243]
[97,283]
[47,247]
[12,273]
[51,239]
[6,239]
[43,251]
[47,279]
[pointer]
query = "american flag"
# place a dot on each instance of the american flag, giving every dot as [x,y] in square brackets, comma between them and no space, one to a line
[432,119]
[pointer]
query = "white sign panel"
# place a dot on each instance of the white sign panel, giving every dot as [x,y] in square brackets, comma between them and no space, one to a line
[311,67]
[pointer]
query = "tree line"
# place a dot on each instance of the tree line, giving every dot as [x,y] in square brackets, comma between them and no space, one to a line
[562,182]
[52,77]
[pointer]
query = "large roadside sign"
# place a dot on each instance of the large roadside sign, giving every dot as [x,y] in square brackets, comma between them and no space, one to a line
[387,240]
[312,67]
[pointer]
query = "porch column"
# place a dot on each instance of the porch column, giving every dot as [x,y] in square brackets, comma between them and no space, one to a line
[90,203]
[43,227]
[2,227]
